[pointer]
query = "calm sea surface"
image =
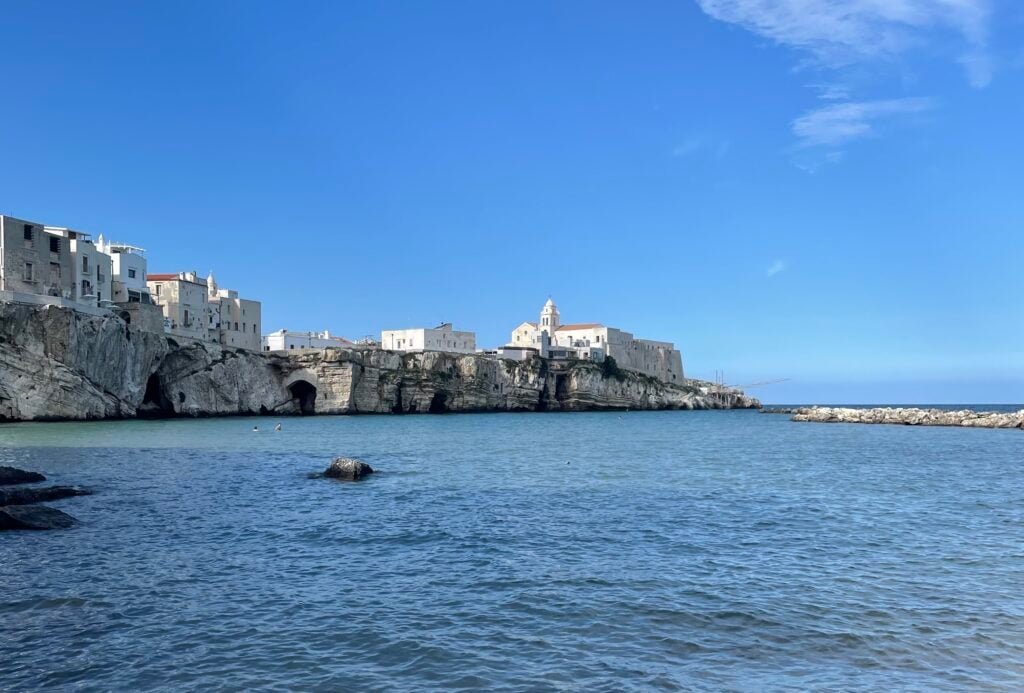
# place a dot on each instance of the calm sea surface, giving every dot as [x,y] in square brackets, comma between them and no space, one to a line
[586,552]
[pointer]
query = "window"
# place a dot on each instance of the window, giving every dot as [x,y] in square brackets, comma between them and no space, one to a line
[27,273]
[85,263]
[131,274]
[54,244]
[243,327]
[85,288]
[254,328]
[236,327]
[158,286]
[186,318]
[28,235]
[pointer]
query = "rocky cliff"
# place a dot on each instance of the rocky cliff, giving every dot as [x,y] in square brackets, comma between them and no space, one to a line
[58,364]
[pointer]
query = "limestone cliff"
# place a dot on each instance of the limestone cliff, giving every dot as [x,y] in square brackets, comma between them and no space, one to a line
[57,364]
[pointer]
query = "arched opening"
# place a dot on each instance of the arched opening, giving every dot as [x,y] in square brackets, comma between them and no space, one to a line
[438,404]
[154,402]
[126,316]
[304,396]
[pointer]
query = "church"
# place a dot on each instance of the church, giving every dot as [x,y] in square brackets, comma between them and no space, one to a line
[594,341]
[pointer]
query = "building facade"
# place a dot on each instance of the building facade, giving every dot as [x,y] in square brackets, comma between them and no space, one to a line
[91,277]
[33,261]
[127,271]
[440,338]
[182,298]
[287,340]
[594,341]
[197,308]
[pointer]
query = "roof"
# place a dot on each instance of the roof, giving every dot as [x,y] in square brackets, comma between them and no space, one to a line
[580,326]
[171,278]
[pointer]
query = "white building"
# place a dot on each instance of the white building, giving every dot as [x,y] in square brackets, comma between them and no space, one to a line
[441,338]
[90,268]
[595,341]
[197,308]
[127,271]
[286,340]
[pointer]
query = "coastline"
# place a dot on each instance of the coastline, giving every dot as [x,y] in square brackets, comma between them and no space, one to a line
[60,365]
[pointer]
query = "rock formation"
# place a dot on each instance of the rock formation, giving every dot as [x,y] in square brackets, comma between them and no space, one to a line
[10,476]
[911,417]
[348,469]
[34,517]
[27,496]
[58,364]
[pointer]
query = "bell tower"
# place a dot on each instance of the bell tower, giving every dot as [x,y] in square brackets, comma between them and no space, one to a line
[550,319]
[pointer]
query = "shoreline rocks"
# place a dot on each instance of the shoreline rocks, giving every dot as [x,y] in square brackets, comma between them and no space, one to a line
[348,469]
[10,476]
[27,496]
[910,416]
[18,506]
[34,517]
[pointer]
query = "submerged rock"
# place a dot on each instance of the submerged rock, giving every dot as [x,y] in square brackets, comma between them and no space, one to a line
[12,475]
[25,496]
[348,469]
[34,517]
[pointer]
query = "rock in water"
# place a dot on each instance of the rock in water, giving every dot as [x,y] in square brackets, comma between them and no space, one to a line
[26,496]
[34,517]
[348,469]
[10,475]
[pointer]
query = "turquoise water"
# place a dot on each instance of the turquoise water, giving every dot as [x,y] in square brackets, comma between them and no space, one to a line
[632,551]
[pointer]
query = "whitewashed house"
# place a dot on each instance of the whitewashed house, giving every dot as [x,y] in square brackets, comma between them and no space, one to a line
[440,338]
[287,340]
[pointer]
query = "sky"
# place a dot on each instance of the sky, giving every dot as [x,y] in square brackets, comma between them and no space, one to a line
[824,191]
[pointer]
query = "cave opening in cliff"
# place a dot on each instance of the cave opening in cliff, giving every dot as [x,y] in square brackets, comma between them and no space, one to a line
[154,402]
[439,403]
[304,396]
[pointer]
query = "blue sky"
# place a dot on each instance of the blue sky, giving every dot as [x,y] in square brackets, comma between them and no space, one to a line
[818,190]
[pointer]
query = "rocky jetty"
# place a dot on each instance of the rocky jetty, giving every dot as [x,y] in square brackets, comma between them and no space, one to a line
[58,364]
[911,417]
[348,469]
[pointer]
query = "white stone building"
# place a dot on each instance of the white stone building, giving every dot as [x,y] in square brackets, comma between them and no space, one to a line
[287,340]
[127,271]
[90,268]
[197,308]
[441,338]
[595,341]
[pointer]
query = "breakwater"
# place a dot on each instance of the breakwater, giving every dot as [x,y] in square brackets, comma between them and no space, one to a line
[57,364]
[911,416]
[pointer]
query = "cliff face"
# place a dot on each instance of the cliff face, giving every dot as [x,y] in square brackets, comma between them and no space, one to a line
[57,364]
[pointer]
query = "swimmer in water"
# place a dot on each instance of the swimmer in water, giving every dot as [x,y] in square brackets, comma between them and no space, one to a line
[255,429]
[277,427]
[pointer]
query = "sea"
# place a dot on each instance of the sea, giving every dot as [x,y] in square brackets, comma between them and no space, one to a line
[616,551]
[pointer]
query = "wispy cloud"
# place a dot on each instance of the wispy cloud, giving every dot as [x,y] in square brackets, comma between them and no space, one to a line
[836,125]
[775,268]
[843,32]
[715,147]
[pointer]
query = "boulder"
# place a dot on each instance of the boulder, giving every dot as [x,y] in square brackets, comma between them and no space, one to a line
[34,517]
[11,475]
[348,469]
[26,496]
